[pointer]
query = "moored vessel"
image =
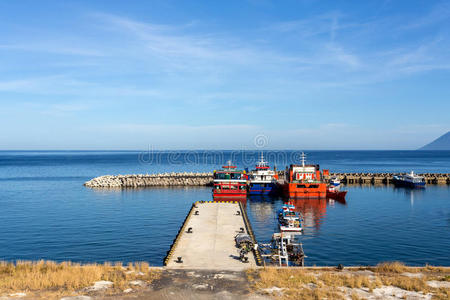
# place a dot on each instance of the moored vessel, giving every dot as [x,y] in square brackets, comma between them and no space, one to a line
[288,219]
[333,192]
[284,250]
[335,181]
[409,180]
[334,189]
[262,180]
[304,181]
[229,183]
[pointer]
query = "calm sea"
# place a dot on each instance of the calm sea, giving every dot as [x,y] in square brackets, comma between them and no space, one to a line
[47,213]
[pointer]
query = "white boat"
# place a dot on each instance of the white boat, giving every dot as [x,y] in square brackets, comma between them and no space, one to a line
[334,181]
[262,180]
[289,220]
[409,180]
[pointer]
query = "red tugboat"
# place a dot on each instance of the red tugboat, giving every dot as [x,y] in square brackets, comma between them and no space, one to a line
[304,181]
[230,183]
[333,190]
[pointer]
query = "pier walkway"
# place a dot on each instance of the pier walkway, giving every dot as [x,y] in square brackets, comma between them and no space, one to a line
[211,243]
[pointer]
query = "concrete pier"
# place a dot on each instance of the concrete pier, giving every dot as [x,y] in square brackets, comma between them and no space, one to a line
[206,238]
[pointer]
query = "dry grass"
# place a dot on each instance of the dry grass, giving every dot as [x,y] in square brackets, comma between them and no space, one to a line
[67,276]
[287,278]
[299,283]
[349,280]
[398,267]
[393,267]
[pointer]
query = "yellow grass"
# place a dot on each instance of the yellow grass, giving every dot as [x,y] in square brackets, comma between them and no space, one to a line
[394,267]
[290,278]
[314,283]
[67,276]
[349,280]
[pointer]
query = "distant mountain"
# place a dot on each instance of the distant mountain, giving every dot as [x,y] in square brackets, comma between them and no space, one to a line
[441,143]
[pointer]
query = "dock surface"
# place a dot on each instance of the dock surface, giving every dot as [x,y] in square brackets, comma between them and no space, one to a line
[211,244]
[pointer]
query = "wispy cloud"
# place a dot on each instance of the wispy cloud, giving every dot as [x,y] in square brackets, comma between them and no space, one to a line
[65,109]
[134,69]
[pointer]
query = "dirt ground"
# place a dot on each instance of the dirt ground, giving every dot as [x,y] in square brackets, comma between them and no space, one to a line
[172,284]
[194,284]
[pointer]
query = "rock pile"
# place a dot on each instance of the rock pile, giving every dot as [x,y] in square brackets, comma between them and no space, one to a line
[162,179]
[386,178]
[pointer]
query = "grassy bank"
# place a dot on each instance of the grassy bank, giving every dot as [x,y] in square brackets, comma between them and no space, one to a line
[57,279]
[50,280]
[355,283]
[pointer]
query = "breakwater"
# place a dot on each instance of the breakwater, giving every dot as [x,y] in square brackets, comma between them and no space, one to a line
[386,178]
[149,180]
[205,179]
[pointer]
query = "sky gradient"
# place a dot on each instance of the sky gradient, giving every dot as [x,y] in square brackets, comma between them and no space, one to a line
[223,75]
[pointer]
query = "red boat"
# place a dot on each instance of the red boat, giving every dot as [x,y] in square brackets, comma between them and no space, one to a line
[304,181]
[336,194]
[229,183]
[333,190]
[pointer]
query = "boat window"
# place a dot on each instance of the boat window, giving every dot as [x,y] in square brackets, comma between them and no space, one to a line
[235,176]
[242,187]
[222,176]
[314,186]
[301,186]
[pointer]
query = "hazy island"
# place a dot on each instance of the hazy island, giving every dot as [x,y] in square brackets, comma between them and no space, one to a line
[441,143]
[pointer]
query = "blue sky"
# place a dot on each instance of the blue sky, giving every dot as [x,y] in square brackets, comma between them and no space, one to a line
[218,75]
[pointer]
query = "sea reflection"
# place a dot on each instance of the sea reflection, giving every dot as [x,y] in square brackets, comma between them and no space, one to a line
[410,193]
[264,210]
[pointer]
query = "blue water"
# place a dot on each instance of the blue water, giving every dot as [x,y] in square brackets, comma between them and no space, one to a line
[46,212]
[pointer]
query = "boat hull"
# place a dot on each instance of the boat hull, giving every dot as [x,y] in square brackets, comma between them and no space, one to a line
[229,195]
[408,184]
[336,195]
[290,229]
[305,190]
[262,189]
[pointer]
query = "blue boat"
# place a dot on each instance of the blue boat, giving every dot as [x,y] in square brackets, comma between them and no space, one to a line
[262,180]
[409,180]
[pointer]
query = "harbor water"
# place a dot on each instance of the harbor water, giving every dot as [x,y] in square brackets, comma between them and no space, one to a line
[47,213]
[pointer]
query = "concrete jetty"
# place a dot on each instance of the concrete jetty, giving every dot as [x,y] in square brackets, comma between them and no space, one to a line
[205,179]
[206,238]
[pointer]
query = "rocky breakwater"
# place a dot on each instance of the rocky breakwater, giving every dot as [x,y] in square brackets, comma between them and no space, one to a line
[386,178]
[151,180]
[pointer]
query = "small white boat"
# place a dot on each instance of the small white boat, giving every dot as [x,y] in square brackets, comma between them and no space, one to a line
[334,181]
[289,220]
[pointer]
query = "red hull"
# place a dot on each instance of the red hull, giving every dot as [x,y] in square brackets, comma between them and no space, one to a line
[336,195]
[230,195]
[305,191]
